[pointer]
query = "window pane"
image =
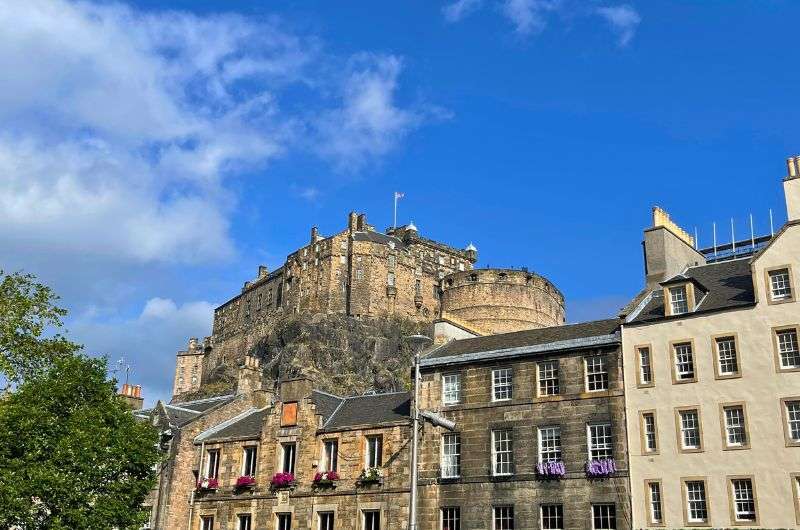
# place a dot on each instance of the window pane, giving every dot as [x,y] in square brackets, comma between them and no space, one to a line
[502,452]
[372,520]
[649,426]
[793,419]
[600,443]
[451,455]
[330,456]
[374,451]
[451,518]
[655,502]
[288,457]
[326,521]
[207,523]
[212,469]
[501,384]
[550,444]
[552,516]
[250,460]
[690,429]
[736,434]
[596,374]
[684,361]
[504,518]
[678,300]
[548,378]
[787,348]
[726,356]
[645,366]
[244,522]
[780,287]
[744,500]
[451,388]
[696,508]
[604,516]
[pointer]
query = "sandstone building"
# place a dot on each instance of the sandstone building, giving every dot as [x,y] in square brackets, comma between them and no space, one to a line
[712,371]
[363,273]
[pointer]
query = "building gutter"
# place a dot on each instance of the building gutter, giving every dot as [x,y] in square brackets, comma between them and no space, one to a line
[571,344]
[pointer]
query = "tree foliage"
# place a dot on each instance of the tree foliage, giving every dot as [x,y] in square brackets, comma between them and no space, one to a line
[29,324]
[73,455]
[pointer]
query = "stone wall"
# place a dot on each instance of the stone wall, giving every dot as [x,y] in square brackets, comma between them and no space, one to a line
[476,491]
[502,300]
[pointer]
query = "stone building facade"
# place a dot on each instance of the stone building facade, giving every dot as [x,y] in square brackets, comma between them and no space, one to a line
[537,413]
[361,272]
[712,367]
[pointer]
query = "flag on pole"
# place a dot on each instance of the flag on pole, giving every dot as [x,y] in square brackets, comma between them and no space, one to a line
[399,195]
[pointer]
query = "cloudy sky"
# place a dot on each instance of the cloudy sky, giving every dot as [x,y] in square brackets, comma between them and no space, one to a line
[154,153]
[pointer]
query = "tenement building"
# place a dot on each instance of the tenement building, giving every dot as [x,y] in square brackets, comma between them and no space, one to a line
[364,273]
[539,438]
[712,372]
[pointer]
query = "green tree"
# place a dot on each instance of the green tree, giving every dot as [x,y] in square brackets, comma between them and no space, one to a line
[29,324]
[72,454]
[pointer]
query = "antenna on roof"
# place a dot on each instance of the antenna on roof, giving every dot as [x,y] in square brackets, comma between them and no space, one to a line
[733,238]
[752,234]
[771,229]
[714,224]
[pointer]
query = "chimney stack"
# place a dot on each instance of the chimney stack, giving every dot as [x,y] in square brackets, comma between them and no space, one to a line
[668,249]
[361,222]
[262,271]
[791,188]
[250,376]
[352,219]
[132,395]
[314,235]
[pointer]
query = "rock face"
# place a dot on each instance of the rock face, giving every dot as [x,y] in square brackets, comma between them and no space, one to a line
[343,355]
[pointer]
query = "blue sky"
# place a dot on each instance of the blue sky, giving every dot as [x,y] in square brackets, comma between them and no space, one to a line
[154,153]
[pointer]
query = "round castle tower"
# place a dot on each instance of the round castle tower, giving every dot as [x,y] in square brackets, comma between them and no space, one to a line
[501,300]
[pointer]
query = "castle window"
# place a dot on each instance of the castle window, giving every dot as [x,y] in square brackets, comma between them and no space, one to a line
[735,426]
[649,432]
[472,277]
[552,516]
[743,499]
[343,245]
[696,504]
[690,436]
[390,279]
[269,297]
[441,260]
[460,266]
[372,520]
[503,518]
[645,366]
[316,248]
[655,511]
[359,274]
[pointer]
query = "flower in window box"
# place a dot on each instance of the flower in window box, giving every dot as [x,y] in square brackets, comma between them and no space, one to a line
[208,484]
[326,478]
[551,469]
[246,481]
[371,475]
[282,480]
[601,468]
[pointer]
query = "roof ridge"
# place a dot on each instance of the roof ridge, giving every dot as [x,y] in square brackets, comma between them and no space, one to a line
[182,408]
[377,394]
[327,393]
[227,423]
[204,400]
[333,414]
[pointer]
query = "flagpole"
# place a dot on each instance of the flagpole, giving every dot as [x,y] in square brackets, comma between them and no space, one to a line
[395,210]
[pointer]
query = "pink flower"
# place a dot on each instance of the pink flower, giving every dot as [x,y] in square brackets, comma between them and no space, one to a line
[281,480]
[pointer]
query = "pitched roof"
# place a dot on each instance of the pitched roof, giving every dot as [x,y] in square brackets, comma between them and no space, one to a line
[202,405]
[326,403]
[727,285]
[553,338]
[377,237]
[370,409]
[246,425]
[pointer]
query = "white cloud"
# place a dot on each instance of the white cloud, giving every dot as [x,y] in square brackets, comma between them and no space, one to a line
[528,16]
[368,123]
[624,20]
[148,341]
[459,9]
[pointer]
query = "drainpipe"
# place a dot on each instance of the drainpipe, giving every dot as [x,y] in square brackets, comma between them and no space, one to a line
[418,342]
[200,477]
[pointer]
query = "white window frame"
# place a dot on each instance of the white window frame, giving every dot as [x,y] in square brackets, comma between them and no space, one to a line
[554,519]
[605,511]
[698,497]
[206,522]
[735,427]
[212,464]
[549,441]
[789,349]
[450,515]
[650,432]
[547,372]
[684,369]
[376,523]
[645,365]
[727,355]
[596,367]
[373,448]
[780,285]
[283,517]
[506,437]
[502,384]
[321,520]
[655,502]
[241,519]
[689,422]
[503,517]
[743,500]
[451,455]
[792,412]
[679,299]
[289,457]
[600,440]
[451,388]
[249,456]
[330,455]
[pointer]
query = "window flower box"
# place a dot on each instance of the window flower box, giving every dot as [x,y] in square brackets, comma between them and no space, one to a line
[602,468]
[552,469]
[326,479]
[372,475]
[245,481]
[282,480]
[208,484]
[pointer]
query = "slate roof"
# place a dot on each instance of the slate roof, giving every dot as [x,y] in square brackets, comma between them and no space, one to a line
[202,405]
[727,285]
[377,237]
[370,409]
[556,337]
[242,427]
[326,403]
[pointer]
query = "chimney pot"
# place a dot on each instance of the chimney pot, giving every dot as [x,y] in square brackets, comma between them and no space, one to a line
[792,162]
[361,223]
[137,391]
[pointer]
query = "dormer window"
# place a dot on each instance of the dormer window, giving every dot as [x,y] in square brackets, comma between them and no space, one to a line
[678,300]
[780,285]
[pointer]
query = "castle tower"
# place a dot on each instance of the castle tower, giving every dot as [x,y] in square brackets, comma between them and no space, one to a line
[189,368]
[501,300]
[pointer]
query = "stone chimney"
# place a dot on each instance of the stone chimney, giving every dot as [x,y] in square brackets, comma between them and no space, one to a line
[361,222]
[352,219]
[262,271]
[250,376]
[791,188]
[193,343]
[295,389]
[668,249]
[314,235]
[132,395]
